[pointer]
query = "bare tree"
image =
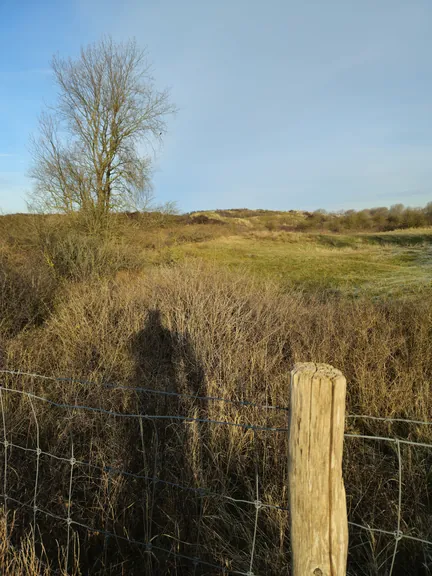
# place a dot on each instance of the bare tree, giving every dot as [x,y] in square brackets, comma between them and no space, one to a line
[89,152]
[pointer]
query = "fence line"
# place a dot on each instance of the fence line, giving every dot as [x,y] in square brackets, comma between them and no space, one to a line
[201,492]
[187,419]
[73,462]
[246,403]
[112,386]
[149,547]
[397,533]
[389,439]
[387,419]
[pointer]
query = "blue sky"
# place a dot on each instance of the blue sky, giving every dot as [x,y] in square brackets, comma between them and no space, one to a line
[282,104]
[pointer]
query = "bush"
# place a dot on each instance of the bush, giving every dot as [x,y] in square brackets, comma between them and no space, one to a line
[76,255]
[27,290]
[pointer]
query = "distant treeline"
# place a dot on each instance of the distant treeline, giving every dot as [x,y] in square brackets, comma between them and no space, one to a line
[380,219]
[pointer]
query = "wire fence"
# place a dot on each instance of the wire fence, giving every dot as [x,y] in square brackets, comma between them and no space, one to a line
[397,533]
[35,390]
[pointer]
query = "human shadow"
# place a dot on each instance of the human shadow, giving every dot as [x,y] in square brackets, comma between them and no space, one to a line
[165,359]
[166,363]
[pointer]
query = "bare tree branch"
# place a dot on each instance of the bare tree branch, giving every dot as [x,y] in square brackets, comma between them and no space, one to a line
[87,154]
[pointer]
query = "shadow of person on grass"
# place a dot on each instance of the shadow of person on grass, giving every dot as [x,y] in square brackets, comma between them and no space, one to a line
[166,361]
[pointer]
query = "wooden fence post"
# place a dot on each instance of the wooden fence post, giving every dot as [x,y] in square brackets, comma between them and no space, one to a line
[319,527]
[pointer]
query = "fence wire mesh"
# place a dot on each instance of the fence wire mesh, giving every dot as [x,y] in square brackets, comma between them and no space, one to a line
[98,482]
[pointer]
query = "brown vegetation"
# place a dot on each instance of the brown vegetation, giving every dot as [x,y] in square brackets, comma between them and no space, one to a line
[73,306]
[381,219]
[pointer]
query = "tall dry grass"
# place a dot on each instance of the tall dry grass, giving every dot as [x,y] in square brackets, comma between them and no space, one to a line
[200,330]
[27,291]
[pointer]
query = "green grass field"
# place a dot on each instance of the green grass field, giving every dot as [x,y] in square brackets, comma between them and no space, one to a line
[391,264]
[386,263]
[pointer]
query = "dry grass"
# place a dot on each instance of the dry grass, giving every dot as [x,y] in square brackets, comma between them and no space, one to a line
[26,291]
[204,330]
[20,560]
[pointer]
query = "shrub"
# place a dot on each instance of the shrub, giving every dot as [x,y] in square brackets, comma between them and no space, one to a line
[27,290]
[75,255]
